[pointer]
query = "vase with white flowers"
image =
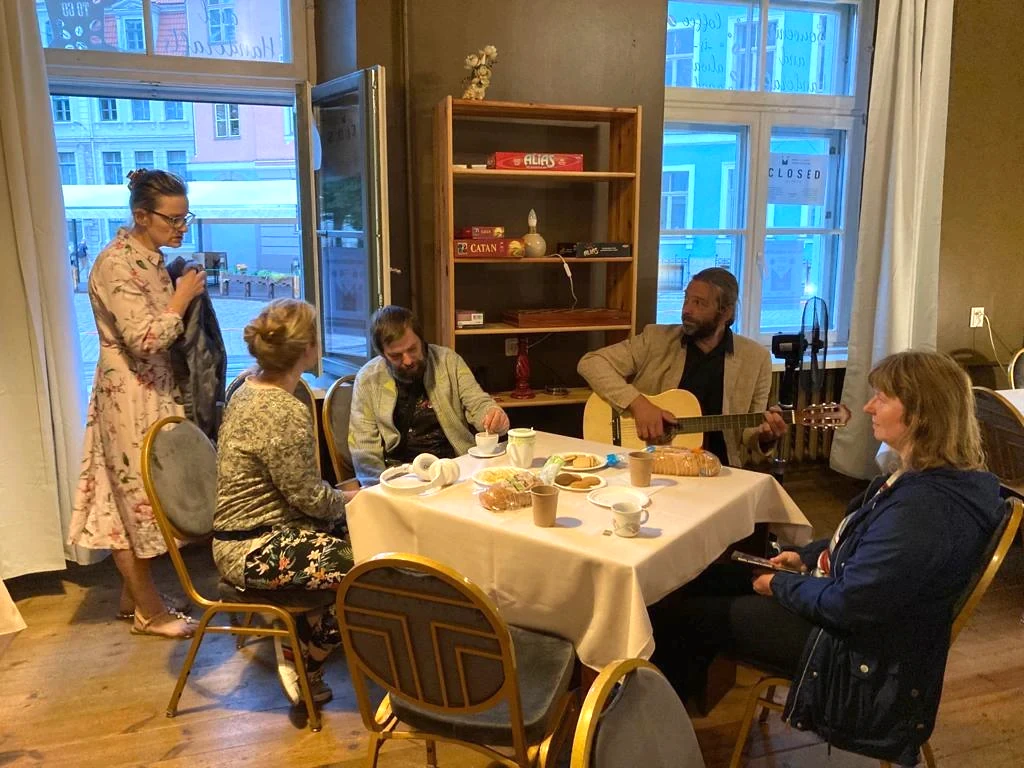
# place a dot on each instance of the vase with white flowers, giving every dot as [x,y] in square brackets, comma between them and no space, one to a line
[480,66]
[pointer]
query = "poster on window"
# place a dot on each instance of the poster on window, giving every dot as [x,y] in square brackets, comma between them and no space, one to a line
[78,24]
[797,179]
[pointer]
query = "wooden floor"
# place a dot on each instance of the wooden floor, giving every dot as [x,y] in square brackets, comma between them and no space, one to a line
[76,689]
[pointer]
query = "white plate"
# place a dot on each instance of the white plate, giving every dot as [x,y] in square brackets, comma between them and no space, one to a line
[600,484]
[488,476]
[605,497]
[602,461]
[477,453]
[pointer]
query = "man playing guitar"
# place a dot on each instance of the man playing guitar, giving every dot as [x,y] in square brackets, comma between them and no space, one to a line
[727,373]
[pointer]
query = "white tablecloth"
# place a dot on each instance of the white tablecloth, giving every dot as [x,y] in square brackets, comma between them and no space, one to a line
[1015,396]
[572,580]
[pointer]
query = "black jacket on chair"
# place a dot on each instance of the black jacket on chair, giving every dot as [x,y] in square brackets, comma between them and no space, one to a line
[199,359]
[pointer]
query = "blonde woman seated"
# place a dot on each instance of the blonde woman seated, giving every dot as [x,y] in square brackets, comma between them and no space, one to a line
[278,524]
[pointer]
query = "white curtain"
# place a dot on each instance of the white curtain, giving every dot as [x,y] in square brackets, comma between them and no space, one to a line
[41,386]
[897,283]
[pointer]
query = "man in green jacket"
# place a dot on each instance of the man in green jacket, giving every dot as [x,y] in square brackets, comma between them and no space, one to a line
[414,398]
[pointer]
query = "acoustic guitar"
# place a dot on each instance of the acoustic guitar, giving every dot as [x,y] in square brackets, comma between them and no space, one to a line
[603,424]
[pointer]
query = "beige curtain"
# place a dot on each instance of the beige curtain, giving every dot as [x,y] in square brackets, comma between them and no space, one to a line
[41,388]
[896,291]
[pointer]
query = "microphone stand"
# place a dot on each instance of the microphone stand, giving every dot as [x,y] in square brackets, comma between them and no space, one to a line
[789,348]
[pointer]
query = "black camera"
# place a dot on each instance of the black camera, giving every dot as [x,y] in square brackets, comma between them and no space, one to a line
[789,347]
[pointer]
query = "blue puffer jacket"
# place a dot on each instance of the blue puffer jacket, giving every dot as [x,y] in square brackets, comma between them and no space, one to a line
[870,677]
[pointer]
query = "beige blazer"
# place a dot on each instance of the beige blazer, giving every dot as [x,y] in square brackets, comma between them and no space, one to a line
[653,362]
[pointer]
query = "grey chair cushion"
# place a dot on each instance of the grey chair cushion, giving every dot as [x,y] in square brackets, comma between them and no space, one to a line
[292,600]
[645,725]
[184,471]
[544,666]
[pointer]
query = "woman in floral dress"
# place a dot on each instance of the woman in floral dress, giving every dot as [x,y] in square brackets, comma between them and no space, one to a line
[138,315]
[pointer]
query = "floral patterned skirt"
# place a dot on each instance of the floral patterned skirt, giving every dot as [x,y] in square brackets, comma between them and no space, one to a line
[293,558]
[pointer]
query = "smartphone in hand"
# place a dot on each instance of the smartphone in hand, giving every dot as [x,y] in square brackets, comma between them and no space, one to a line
[762,562]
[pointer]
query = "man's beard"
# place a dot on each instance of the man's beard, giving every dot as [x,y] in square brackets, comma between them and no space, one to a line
[694,330]
[408,375]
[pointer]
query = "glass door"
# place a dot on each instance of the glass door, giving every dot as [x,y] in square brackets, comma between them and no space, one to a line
[349,160]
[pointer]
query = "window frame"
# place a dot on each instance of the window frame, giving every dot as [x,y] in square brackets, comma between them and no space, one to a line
[105,105]
[65,103]
[691,171]
[232,125]
[62,166]
[123,75]
[105,165]
[167,162]
[761,110]
[181,108]
[145,108]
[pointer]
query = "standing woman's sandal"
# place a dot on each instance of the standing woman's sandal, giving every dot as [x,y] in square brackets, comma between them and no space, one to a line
[178,605]
[165,624]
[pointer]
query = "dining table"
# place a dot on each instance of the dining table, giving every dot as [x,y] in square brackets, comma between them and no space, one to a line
[577,579]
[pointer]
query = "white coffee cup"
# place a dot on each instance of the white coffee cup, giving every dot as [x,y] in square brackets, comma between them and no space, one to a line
[627,517]
[521,442]
[486,442]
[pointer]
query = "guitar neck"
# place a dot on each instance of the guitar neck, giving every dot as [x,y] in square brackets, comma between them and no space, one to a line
[692,424]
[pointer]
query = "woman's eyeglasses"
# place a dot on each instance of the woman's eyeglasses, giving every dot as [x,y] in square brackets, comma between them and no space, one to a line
[178,222]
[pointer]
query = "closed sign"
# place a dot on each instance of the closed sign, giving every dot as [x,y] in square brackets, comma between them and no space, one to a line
[797,179]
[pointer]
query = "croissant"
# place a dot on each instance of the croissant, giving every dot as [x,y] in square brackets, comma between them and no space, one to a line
[684,462]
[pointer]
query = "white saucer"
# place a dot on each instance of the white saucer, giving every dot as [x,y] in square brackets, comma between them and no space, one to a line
[612,494]
[477,453]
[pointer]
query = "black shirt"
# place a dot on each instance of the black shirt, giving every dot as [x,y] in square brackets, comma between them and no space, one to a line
[703,375]
[418,426]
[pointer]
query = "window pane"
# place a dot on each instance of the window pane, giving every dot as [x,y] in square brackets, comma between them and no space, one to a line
[810,46]
[68,167]
[699,166]
[816,47]
[712,44]
[177,163]
[112,173]
[797,268]
[108,110]
[804,216]
[140,109]
[681,257]
[174,110]
[61,109]
[805,178]
[702,182]
[226,121]
[244,198]
[241,30]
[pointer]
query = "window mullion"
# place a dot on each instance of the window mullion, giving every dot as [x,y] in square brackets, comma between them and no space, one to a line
[756,224]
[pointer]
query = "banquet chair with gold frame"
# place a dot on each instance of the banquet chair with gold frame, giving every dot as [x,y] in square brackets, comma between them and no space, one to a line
[302,391]
[632,716]
[236,382]
[763,693]
[451,668]
[1002,437]
[337,408]
[179,472]
[1015,370]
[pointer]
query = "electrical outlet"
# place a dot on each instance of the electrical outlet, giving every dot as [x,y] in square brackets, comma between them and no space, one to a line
[977,317]
[511,347]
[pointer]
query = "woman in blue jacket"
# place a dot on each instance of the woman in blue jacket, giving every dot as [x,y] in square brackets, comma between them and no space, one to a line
[864,630]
